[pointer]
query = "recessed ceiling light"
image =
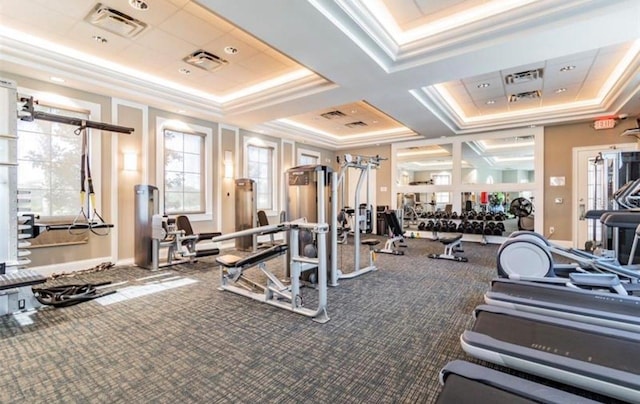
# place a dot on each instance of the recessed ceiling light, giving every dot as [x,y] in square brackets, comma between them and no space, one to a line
[230,50]
[99,39]
[567,68]
[560,90]
[490,102]
[483,85]
[353,111]
[184,71]
[181,111]
[139,4]
[375,121]
[56,79]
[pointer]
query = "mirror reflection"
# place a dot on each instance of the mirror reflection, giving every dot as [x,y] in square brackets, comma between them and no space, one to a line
[484,213]
[424,165]
[498,161]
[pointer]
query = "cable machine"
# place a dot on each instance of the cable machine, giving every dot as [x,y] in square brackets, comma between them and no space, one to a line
[91,219]
[361,216]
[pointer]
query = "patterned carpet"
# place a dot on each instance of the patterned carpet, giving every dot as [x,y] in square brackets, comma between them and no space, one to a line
[390,333]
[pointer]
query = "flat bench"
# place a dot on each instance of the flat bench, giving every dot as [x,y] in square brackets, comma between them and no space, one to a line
[450,240]
[370,242]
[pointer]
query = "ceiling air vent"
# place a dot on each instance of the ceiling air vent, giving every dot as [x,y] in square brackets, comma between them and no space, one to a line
[115,21]
[333,114]
[527,95]
[523,77]
[358,124]
[205,60]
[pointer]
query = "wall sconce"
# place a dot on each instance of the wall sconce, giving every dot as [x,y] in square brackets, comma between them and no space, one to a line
[228,165]
[130,161]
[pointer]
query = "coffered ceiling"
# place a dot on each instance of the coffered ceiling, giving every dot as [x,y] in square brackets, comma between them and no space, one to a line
[397,69]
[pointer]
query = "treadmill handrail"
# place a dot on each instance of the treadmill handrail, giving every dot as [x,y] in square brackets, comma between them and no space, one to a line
[602,314]
[509,383]
[559,362]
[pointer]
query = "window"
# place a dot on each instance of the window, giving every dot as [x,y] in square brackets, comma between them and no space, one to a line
[260,158]
[442,179]
[49,156]
[183,172]
[308,157]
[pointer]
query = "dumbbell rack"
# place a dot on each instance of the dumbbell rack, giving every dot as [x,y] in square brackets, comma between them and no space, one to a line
[482,224]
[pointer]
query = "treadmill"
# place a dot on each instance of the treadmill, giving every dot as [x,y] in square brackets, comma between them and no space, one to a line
[605,309]
[468,383]
[595,358]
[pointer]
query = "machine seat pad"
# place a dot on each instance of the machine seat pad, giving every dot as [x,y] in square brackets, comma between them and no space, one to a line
[450,240]
[228,260]
[231,261]
[369,241]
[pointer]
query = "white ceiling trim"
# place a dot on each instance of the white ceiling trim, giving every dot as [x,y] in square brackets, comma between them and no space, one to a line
[38,53]
[304,86]
[394,52]
[22,54]
[439,106]
[615,93]
[309,135]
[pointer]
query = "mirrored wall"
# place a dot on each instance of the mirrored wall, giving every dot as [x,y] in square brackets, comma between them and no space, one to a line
[470,178]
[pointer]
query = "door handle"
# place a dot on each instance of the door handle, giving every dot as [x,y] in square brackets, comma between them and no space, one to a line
[582,211]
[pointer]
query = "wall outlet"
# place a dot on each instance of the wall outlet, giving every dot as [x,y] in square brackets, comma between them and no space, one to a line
[552,230]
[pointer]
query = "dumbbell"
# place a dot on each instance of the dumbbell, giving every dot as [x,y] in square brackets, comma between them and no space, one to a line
[429,225]
[468,227]
[454,215]
[436,226]
[422,226]
[500,226]
[497,231]
[479,228]
[452,226]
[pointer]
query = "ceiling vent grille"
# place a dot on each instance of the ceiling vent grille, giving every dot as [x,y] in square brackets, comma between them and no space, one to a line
[523,77]
[333,114]
[527,95]
[115,21]
[205,60]
[357,124]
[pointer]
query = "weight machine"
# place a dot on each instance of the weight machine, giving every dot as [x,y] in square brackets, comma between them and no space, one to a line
[362,217]
[275,292]
[155,232]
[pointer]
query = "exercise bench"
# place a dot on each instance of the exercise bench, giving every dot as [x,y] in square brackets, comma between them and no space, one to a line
[452,245]
[396,234]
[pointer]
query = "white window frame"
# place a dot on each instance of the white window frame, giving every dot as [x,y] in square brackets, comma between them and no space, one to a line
[307,152]
[57,100]
[252,141]
[180,126]
[440,196]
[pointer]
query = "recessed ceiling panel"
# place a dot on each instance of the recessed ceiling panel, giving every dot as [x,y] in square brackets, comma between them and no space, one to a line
[346,120]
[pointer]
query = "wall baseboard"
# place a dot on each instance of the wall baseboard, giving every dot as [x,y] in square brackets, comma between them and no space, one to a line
[68,267]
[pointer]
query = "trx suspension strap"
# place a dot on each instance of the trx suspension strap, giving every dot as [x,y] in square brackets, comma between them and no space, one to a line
[82,222]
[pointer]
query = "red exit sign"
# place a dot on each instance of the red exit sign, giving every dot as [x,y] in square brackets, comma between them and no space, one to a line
[601,124]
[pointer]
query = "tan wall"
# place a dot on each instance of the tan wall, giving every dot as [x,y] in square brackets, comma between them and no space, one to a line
[132,118]
[228,194]
[559,142]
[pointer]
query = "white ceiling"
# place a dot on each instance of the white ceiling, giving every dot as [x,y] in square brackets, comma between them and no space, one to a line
[414,64]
